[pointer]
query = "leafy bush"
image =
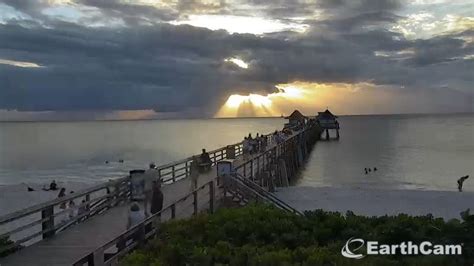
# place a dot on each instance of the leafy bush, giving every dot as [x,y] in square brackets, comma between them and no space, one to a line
[264,235]
[5,242]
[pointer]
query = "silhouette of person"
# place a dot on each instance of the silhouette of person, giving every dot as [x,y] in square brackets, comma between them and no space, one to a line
[461,181]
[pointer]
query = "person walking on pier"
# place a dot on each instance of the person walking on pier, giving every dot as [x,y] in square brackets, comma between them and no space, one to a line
[461,182]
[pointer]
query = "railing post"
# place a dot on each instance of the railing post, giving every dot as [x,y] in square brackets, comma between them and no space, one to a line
[173,174]
[99,257]
[195,202]
[211,197]
[88,199]
[251,169]
[186,168]
[48,225]
[173,211]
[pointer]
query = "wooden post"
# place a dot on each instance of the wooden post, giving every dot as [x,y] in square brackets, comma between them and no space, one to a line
[186,168]
[195,202]
[48,212]
[173,211]
[258,167]
[88,199]
[173,174]
[211,197]
[99,257]
[251,169]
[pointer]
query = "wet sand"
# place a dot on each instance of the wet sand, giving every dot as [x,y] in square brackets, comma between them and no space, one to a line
[379,202]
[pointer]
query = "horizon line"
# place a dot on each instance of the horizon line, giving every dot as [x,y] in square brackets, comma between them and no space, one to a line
[210,118]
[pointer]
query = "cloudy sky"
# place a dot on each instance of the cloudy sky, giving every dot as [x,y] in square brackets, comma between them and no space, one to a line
[123,59]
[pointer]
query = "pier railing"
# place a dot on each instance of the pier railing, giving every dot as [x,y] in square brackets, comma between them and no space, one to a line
[248,189]
[202,199]
[172,172]
[42,221]
[240,184]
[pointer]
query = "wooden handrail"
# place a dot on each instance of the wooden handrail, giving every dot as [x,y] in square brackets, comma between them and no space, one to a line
[38,207]
[173,172]
[131,231]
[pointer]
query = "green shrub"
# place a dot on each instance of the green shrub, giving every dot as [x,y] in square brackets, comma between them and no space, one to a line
[264,235]
[5,242]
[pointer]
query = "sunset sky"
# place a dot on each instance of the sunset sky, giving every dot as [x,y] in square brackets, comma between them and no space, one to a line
[123,59]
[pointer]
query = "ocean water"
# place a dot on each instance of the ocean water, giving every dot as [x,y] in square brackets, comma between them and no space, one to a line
[410,151]
[39,152]
[427,152]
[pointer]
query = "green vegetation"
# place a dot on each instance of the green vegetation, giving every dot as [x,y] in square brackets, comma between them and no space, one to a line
[5,242]
[263,235]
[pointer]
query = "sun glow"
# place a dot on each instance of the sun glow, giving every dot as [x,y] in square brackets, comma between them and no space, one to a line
[309,98]
[260,105]
[242,24]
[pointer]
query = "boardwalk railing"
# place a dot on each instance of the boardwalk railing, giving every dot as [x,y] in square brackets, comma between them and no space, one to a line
[44,220]
[41,221]
[109,253]
[250,190]
[201,199]
[172,172]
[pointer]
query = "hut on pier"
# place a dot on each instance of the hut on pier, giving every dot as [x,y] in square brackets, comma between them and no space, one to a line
[296,119]
[328,121]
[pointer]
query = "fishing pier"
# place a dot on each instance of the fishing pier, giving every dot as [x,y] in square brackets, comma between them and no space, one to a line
[43,235]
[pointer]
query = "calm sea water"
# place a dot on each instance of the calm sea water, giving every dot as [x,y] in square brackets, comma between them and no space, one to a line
[409,151]
[421,152]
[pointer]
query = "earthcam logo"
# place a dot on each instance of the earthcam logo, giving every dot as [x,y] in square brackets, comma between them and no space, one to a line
[347,252]
[352,249]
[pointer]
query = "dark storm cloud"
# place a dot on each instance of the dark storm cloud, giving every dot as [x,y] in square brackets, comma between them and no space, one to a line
[441,50]
[171,68]
[131,13]
[327,8]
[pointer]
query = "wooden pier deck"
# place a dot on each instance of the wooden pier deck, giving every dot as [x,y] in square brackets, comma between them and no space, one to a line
[68,246]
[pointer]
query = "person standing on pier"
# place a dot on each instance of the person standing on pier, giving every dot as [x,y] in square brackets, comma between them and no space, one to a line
[150,175]
[194,172]
[62,193]
[245,147]
[157,200]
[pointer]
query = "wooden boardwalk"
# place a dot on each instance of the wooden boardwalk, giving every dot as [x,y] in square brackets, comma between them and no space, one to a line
[68,246]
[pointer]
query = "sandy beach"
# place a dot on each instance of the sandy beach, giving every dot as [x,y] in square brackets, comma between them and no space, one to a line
[17,197]
[371,202]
